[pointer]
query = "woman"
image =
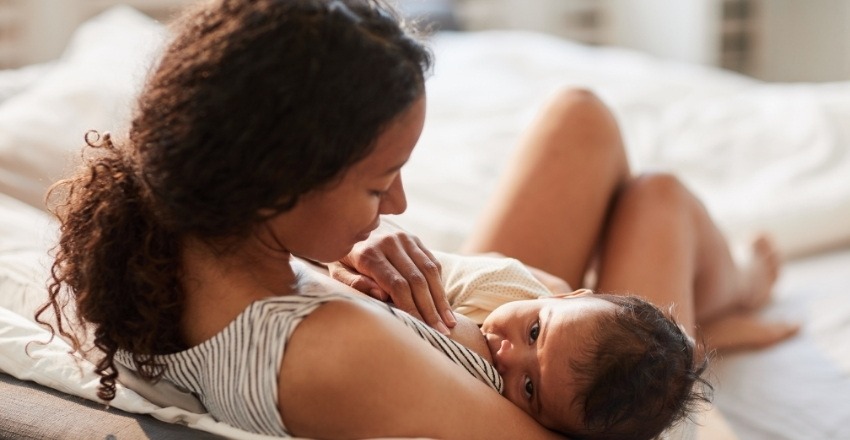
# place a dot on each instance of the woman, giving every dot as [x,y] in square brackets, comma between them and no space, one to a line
[268,129]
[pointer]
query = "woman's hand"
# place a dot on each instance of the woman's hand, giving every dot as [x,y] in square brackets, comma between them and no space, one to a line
[393,265]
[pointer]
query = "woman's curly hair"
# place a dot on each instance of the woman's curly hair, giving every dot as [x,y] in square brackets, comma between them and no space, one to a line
[253,104]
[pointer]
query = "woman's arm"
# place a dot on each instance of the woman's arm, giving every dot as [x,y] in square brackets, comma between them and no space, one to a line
[353,371]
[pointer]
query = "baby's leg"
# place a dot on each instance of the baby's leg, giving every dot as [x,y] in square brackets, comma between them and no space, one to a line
[551,205]
[662,244]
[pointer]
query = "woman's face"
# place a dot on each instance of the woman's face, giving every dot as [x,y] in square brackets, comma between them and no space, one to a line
[326,223]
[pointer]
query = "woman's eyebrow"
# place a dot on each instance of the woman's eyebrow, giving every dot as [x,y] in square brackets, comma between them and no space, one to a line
[393,169]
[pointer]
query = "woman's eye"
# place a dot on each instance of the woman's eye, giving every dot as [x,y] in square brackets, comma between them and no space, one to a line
[529,388]
[377,193]
[534,333]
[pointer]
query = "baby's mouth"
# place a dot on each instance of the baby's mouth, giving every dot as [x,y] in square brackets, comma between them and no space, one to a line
[494,342]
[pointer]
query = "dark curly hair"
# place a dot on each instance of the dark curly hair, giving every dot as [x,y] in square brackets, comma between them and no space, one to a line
[640,376]
[253,104]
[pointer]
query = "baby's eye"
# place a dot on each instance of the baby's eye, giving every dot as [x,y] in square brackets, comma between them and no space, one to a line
[534,333]
[529,388]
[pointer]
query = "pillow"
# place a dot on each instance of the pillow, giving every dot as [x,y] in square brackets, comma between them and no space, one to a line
[91,87]
[14,81]
[26,235]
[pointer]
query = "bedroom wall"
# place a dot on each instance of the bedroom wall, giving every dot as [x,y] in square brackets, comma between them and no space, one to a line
[788,40]
[774,40]
[34,31]
[680,30]
[803,40]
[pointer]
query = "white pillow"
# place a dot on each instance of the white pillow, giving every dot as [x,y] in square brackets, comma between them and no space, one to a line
[14,81]
[91,87]
[26,234]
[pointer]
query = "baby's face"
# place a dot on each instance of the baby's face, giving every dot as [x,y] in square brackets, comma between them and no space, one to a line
[534,344]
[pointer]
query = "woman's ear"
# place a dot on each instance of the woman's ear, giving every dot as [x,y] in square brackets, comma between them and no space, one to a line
[573,294]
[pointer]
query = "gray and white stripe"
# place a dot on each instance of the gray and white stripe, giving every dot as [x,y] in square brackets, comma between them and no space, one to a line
[234,373]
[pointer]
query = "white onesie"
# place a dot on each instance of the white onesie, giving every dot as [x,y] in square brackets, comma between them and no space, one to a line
[476,284]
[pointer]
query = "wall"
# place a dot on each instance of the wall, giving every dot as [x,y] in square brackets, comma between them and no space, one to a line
[41,28]
[684,30]
[803,40]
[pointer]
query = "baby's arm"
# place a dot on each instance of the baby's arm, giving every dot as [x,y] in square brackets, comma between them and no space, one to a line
[553,283]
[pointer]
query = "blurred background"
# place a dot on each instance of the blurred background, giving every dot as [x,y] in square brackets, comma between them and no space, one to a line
[773,40]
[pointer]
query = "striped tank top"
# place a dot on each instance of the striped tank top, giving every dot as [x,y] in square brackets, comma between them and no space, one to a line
[216,370]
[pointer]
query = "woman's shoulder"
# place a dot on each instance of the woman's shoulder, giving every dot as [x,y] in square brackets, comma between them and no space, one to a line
[365,367]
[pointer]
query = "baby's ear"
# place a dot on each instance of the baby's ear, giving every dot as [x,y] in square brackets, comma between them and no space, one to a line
[573,294]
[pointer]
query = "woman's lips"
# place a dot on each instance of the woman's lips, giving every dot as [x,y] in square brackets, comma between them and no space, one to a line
[368,231]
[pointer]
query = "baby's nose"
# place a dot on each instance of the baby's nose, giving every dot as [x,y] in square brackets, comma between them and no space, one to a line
[505,357]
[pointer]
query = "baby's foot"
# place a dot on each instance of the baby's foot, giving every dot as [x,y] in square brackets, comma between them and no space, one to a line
[757,274]
[745,331]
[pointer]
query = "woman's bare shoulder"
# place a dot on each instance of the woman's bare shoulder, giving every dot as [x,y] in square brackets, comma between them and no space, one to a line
[353,370]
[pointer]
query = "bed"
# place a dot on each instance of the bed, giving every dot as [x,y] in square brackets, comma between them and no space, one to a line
[764,157]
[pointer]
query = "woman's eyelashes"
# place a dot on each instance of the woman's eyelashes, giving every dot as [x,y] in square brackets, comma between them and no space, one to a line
[385,188]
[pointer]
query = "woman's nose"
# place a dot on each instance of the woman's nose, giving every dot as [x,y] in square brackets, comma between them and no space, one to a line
[394,200]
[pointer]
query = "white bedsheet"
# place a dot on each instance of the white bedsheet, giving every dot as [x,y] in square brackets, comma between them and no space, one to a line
[799,389]
[772,157]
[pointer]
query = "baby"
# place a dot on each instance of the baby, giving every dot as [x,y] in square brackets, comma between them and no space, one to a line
[586,365]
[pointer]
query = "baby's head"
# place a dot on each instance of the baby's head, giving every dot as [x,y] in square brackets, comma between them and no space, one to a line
[595,365]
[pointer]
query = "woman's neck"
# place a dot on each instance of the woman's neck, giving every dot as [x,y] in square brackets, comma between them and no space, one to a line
[222,281]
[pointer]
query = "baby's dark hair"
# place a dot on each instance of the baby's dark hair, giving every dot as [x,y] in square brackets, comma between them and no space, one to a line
[641,376]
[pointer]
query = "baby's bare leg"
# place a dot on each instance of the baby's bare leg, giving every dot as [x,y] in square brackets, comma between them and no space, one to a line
[551,205]
[662,244]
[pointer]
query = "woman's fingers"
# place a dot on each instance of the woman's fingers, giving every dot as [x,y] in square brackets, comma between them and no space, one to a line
[405,270]
[349,277]
[430,267]
[414,283]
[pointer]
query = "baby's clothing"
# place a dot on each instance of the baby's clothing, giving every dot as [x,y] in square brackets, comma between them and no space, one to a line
[235,373]
[476,285]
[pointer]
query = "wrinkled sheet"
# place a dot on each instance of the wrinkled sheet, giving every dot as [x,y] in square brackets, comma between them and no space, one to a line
[763,157]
